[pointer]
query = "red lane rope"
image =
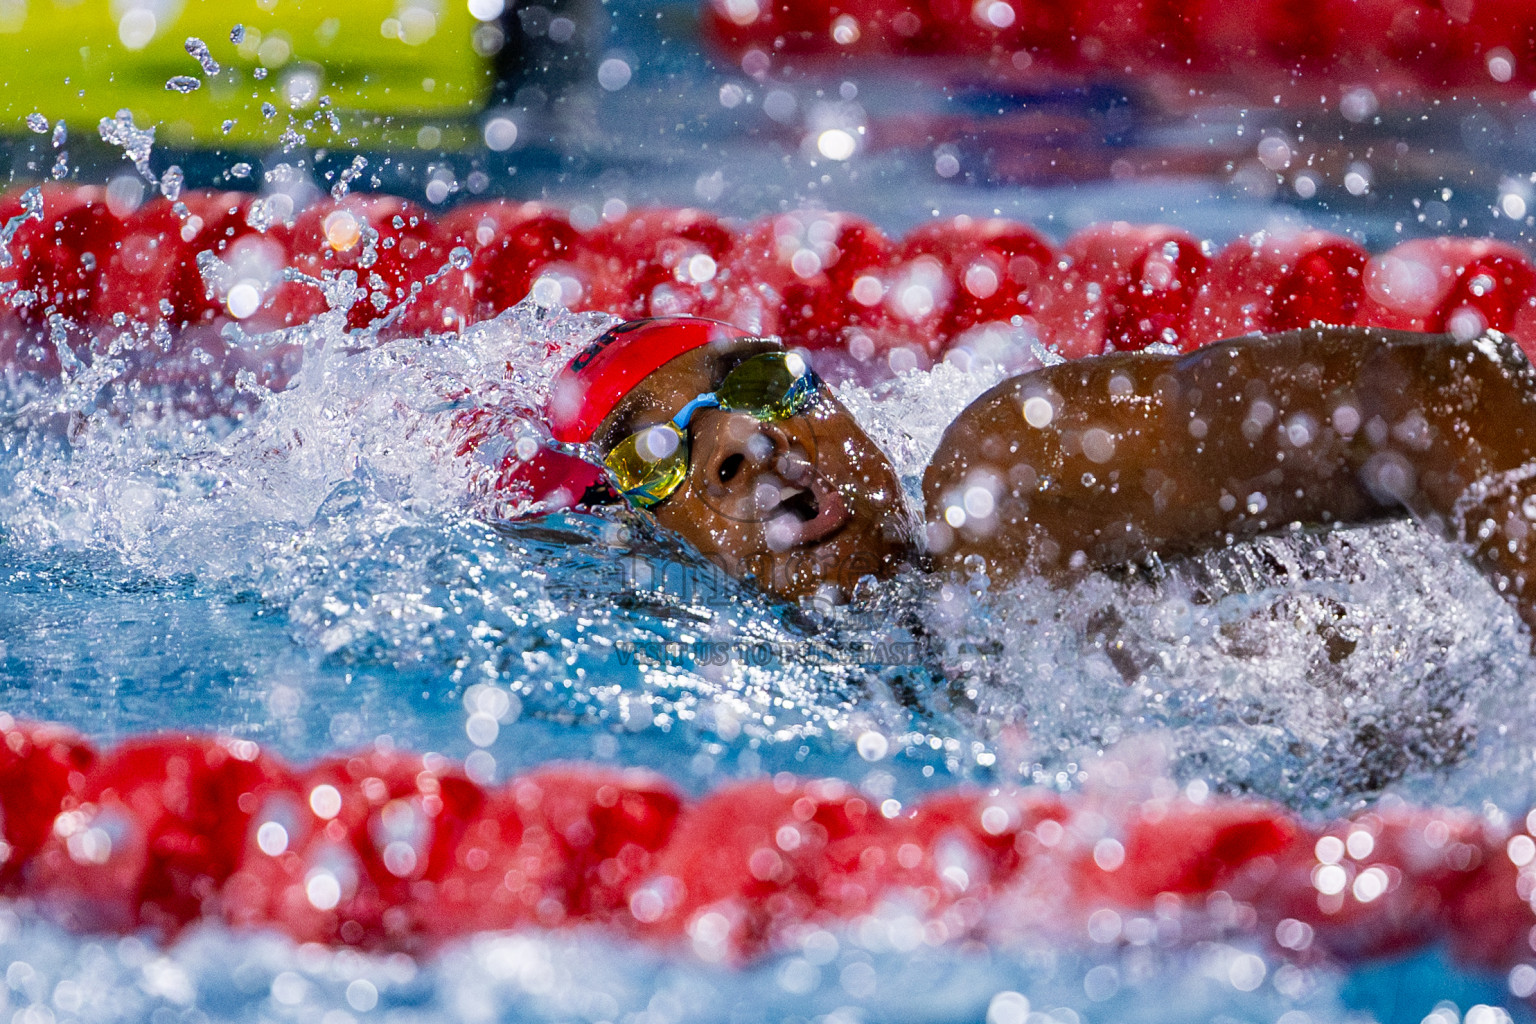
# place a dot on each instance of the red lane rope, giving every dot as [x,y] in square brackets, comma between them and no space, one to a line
[818,279]
[1420,45]
[386,849]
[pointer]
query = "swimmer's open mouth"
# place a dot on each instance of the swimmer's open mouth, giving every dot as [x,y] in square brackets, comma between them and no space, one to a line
[802,505]
[811,514]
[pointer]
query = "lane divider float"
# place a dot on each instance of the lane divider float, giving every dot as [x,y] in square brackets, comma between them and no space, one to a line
[386,849]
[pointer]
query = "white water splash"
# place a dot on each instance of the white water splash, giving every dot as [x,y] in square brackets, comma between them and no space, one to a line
[136,143]
[358,408]
[198,51]
[31,209]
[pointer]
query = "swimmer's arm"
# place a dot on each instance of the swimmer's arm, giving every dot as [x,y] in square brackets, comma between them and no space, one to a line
[1111,459]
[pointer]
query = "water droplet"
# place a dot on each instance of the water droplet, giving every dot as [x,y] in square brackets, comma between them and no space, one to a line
[322,890]
[482,729]
[342,230]
[137,27]
[198,50]
[1246,972]
[500,134]
[272,839]
[171,182]
[873,746]
[613,74]
[243,300]
[1008,1008]
[836,144]
[136,143]
[362,995]
[399,858]
[325,801]
[1038,412]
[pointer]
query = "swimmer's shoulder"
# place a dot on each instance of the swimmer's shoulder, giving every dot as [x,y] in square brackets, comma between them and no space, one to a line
[1030,407]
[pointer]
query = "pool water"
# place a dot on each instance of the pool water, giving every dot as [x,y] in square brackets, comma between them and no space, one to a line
[309,574]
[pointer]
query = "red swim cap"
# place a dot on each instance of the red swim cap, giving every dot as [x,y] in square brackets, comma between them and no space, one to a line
[588,388]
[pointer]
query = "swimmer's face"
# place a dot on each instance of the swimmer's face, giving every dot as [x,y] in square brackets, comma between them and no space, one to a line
[805,504]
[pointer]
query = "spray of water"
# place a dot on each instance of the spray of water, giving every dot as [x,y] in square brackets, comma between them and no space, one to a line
[1315,668]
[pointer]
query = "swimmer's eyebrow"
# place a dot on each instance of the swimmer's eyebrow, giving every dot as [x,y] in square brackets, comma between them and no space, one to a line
[643,414]
[630,423]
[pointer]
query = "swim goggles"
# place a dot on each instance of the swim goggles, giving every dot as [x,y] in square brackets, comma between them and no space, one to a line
[650,464]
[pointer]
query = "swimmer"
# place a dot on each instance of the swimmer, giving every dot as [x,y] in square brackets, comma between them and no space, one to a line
[734,444]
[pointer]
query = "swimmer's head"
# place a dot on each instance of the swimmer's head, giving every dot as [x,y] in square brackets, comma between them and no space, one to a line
[754,463]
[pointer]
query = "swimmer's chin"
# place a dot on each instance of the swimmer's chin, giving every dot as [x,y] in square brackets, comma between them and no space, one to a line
[829,569]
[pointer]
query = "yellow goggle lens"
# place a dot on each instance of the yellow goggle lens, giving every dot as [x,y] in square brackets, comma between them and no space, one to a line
[650,464]
[771,386]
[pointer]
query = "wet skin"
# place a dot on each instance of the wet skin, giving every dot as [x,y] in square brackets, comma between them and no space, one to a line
[1110,459]
[805,505]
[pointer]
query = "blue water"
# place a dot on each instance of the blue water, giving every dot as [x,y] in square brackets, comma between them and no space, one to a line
[310,574]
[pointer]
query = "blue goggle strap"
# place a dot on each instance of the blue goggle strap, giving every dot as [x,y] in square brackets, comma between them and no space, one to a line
[685,414]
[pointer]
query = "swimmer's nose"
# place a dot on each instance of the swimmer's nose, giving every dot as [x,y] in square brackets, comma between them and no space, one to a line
[746,451]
